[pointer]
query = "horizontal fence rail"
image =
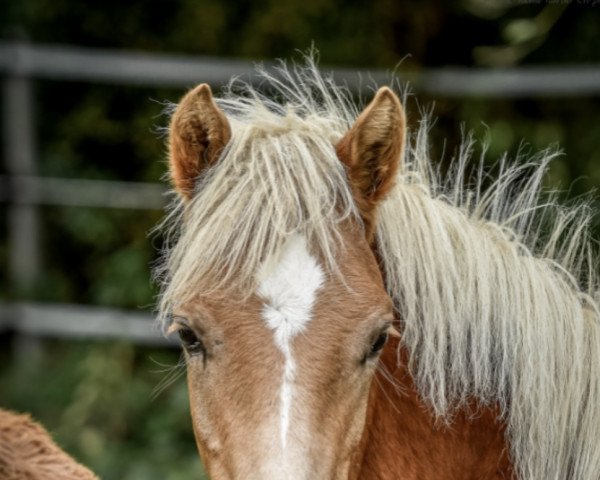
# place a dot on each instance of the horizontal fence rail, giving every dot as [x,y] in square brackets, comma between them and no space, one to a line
[136,68]
[81,322]
[31,190]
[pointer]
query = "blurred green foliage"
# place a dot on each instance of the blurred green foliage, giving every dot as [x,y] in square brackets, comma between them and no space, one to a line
[106,404]
[96,397]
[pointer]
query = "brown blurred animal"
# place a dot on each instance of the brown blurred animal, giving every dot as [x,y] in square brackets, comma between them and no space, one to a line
[27,452]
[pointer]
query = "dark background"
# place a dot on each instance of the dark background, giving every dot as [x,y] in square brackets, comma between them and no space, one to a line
[97,397]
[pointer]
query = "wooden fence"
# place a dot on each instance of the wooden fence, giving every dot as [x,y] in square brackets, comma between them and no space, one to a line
[21,64]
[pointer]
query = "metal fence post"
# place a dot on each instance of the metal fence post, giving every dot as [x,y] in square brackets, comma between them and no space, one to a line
[19,156]
[23,219]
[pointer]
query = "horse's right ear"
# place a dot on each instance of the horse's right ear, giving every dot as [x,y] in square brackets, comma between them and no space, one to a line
[198,133]
[372,150]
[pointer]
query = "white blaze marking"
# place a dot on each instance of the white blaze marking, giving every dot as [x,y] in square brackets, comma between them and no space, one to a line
[289,288]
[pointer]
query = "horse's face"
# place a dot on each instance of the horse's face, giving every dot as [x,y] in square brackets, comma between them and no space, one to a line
[279,381]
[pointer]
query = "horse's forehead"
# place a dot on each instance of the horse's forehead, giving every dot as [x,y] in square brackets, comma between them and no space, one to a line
[288,288]
[296,286]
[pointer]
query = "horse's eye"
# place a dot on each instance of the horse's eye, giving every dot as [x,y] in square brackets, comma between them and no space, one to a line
[191,343]
[378,344]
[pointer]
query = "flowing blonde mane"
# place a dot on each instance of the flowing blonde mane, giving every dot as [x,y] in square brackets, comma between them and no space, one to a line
[278,175]
[495,286]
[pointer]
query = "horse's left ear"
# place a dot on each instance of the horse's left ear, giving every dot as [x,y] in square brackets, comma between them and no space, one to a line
[371,151]
[198,134]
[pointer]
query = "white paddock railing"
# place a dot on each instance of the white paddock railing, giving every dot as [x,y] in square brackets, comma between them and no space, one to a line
[21,64]
[81,322]
[120,67]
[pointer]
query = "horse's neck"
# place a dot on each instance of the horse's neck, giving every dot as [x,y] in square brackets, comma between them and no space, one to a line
[401,439]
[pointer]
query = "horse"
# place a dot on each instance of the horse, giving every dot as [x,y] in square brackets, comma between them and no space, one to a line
[27,452]
[347,311]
